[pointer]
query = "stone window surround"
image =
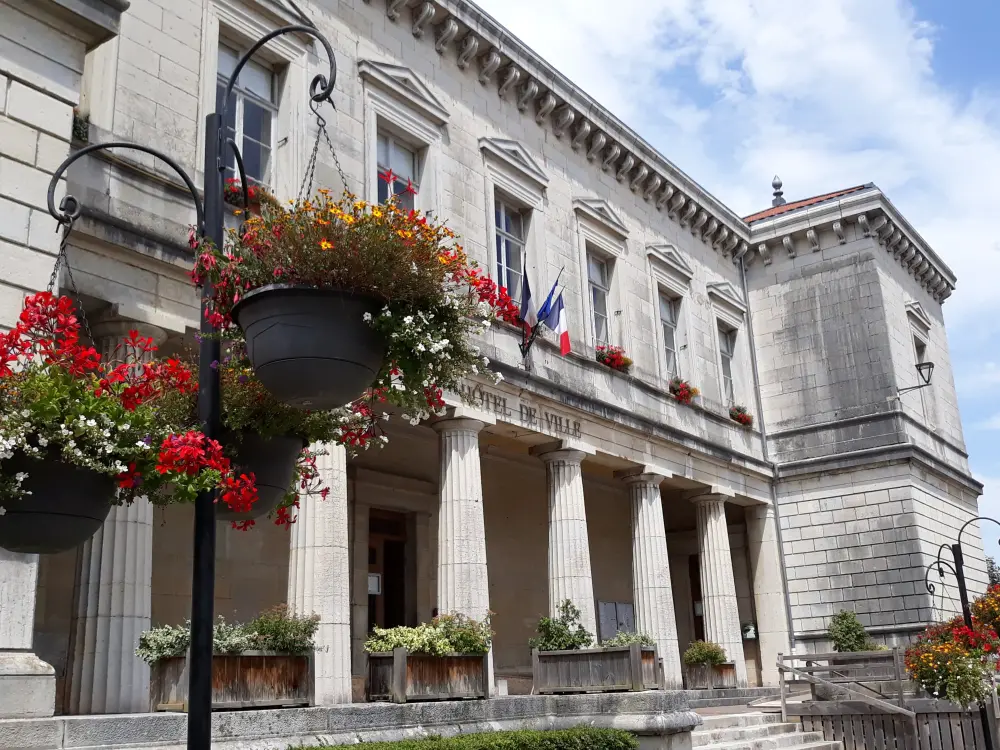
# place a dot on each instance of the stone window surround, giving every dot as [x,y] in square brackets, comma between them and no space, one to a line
[511,173]
[920,337]
[242,23]
[729,312]
[392,107]
[606,239]
[670,274]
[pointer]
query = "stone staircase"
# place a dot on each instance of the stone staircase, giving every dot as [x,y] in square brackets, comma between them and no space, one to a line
[756,731]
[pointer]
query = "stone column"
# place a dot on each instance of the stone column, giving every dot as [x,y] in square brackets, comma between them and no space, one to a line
[40,76]
[651,588]
[319,577]
[360,518]
[768,589]
[463,582]
[114,588]
[718,586]
[570,574]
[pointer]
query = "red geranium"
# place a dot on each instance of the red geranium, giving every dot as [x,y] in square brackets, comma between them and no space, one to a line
[682,391]
[614,357]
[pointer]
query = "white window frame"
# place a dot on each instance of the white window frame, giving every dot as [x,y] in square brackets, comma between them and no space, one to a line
[238,23]
[394,140]
[241,95]
[729,311]
[725,331]
[502,242]
[675,304]
[409,114]
[595,287]
[928,402]
[601,233]
[670,275]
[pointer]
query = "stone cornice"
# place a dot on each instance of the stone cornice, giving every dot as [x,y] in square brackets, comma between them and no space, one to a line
[485,49]
[875,217]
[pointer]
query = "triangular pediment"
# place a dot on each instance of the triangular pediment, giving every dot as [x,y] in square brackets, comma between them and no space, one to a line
[918,316]
[724,291]
[405,85]
[515,156]
[600,211]
[668,256]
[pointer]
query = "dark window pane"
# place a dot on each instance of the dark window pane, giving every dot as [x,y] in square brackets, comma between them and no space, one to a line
[383,191]
[252,159]
[405,201]
[256,122]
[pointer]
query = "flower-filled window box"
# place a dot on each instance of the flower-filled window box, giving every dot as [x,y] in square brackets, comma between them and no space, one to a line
[233,194]
[682,391]
[740,415]
[614,357]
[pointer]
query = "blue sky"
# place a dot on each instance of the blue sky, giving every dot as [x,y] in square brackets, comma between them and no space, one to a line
[827,94]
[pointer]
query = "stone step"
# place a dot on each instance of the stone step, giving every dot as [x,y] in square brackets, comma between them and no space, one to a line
[715,702]
[717,736]
[728,721]
[793,741]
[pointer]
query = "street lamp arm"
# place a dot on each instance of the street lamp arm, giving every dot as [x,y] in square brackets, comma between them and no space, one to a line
[321,88]
[941,547]
[69,208]
[972,521]
[939,566]
[243,174]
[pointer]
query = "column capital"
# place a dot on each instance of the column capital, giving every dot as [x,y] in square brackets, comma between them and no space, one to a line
[117,328]
[709,498]
[643,475]
[458,424]
[565,455]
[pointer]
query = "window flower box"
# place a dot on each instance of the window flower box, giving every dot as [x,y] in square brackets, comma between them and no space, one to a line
[614,357]
[741,416]
[682,391]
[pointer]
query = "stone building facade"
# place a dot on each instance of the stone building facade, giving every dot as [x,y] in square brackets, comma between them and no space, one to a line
[568,480]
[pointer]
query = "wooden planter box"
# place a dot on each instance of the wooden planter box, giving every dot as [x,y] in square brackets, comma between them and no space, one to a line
[401,677]
[255,679]
[710,677]
[596,670]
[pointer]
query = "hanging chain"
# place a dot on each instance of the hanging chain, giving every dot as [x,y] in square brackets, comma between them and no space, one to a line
[62,261]
[310,173]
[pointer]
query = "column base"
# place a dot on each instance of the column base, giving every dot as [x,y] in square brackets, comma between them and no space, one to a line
[27,686]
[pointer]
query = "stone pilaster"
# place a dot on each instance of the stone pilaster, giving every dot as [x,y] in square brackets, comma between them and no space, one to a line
[463,582]
[570,575]
[718,585]
[114,588]
[768,589]
[319,577]
[360,519]
[651,588]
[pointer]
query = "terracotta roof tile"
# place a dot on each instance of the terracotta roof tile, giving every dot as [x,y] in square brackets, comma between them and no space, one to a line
[784,209]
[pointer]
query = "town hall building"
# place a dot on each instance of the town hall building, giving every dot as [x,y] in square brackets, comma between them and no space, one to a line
[567,480]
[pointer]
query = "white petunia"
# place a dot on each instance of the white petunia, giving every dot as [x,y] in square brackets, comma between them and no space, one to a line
[125,427]
[20,476]
[3,511]
[25,413]
[43,441]
[368,317]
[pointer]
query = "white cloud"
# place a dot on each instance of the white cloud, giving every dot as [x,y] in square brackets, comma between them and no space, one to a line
[828,94]
[989,505]
[993,423]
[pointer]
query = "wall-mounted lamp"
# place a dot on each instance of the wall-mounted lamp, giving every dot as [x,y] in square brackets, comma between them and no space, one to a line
[925,370]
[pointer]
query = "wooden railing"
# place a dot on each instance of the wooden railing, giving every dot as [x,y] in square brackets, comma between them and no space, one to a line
[865,706]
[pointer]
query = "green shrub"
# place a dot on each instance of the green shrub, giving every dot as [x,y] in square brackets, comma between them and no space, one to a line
[562,633]
[627,639]
[581,738]
[848,635]
[446,634]
[704,654]
[276,630]
[871,645]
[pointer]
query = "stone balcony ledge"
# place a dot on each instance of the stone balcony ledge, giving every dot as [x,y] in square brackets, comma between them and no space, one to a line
[661,716]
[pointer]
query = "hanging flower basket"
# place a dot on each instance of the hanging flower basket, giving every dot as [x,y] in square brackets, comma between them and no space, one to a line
[78,434]
[341,299]
[311,348]
[271,461]
[740,415]
[682,391]
[66,506]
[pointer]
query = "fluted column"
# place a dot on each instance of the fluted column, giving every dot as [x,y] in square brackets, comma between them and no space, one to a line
[463,581]
[718,585]
[319,577]
[651,587]
[114,589]
[570,575]
[768,589]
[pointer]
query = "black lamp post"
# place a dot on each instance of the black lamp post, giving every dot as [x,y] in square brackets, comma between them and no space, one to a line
[211,225]
[958,570]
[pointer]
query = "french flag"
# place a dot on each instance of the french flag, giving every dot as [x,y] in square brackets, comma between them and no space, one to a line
[528,313]
[556,320]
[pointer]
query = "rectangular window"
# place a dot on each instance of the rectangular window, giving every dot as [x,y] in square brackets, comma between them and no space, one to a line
[727,350]
[397,172]
[597,273]
[251,115]
[510,231]
[669,309]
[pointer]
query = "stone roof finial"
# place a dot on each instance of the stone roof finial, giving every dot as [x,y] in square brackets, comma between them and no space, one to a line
[779,199]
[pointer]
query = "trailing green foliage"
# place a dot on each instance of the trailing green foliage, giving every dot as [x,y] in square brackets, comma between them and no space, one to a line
[562,633]
[704,654]
[581,738]
[847,633]
[446,634]
[276,630]
[627,639]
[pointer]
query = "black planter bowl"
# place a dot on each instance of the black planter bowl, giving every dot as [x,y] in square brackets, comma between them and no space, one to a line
[311,348]
[66,507]
[272,462]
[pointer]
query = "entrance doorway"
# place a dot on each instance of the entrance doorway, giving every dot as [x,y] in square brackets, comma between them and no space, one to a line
[694,572]
[387,569]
